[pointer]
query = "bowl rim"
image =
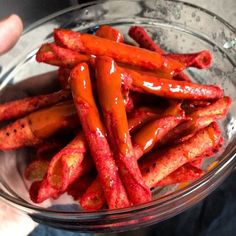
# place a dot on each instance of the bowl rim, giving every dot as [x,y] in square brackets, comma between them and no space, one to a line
[229,159]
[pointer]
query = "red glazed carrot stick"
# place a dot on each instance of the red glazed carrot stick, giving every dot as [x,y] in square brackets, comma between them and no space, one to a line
[63,168]
[156,167]
[200,60]
[37,126]
[199,119]
[184,173]
[170,88]
[96,137]
[79,187]
[141,116]
[64,59]
[91,44]
[93,198]
[181,76]
[154,131]
[40,191]
[186,130]
[110,97]
[52,54]
[143,140]
[87,164]
[139,34]
[108,32]
[63,77]
[22,107]
[36,170]
[218,108]
[49,147]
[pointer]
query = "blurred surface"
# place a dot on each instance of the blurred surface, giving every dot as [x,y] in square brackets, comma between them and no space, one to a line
[32,10]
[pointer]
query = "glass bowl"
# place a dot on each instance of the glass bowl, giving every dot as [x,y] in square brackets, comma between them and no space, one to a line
[177,27]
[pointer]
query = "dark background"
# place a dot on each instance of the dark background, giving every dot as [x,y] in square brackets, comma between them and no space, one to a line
[216,215]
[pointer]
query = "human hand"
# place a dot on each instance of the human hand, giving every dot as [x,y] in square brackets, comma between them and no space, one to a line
[10,31]
[12,220]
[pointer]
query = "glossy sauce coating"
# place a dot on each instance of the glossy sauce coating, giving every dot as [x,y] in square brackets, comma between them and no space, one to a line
[96,137]
[94,45]
[110,97]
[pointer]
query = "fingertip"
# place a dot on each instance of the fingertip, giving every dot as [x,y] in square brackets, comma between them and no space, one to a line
[10,31]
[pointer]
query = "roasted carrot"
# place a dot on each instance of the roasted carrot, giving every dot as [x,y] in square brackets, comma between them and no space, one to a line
[36,170]
[200,60]
[22,107]
[96,137]
[143,141]
[64,166]
[47,148]
[184,173]
[219,109]
[110,97]
[153,132]
[79,186]
[141,116]
[170,88]
[158,166]
[52,54]
[40,191]
[108,32]
[140,35]
[199,119]
[38,126]
[63,77]
[91,44]
[93,198]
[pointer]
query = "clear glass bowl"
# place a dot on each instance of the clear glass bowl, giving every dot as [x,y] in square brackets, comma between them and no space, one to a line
[177,27]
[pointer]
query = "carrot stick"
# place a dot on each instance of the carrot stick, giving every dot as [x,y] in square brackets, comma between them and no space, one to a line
[110,97]
[40,191]
[79,187]
[93,198]
[108,32]
[157,167]
[96,137]
[200,60]
[93,45]
[63,77]
[22,107]
[52,54]
[139,34]
[153,132]
[63,168]
[219,109]
[36,170]
[38,126]
[170,88]
[143,141]
[141,116]
[49,147]
[184,173]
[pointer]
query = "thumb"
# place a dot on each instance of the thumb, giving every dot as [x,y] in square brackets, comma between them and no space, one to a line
[10,31]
